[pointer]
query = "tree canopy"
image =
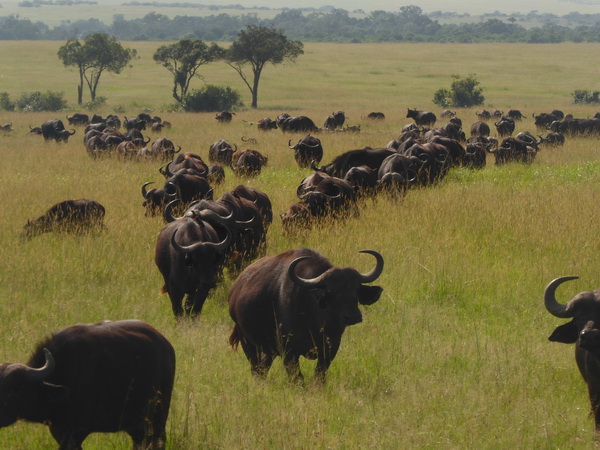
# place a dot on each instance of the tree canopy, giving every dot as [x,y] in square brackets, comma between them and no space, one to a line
[257,46]
[183,59]
[99,52]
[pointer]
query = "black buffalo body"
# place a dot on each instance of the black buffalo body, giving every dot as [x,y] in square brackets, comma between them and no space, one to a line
[421,118]
[307,150]
[105,377]
[297,304]
[55,130]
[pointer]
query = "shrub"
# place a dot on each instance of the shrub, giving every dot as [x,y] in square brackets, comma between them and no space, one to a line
[95,104]
[5,103]
[38,101]
[583,96]
[463,92]
[212,98]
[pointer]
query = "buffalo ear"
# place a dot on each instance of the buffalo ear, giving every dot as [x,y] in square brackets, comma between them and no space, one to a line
[367,295]
[567,333]
[55,394]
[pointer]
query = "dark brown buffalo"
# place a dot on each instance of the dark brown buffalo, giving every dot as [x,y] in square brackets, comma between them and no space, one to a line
[267,124]
[297,304]
[221,152]
[496,113]
[224,116]
[260,199]
[505,126]
[136,122]
[543,120]
[583,331]
[78,119]
[299,124]
[363,179]
[69,216]
[190,256]
[475,156]
[553,139]
[376,115]
[335,120]
[189,161]
[104,377]
[55,130]
[421,118]
[248,162]
[327,196]
[484,114]
[514,150]
[296,217]
[371,157]
[435,162]
[514,114]
[35,130]
[164,148]
[480,128]
[307,150]
[156,199]
[398,172]
[216,174]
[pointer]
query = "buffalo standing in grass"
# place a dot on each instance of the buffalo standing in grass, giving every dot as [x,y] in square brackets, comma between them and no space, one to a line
[307,150]
[421,118]
[105,377]
[584,331]
[55,129]
[297,304]
[68,216]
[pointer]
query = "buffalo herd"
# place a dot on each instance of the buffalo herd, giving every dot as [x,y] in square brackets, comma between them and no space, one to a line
[118,376]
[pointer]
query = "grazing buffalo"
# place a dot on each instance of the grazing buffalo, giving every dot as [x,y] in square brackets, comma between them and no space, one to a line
[475,156]
[480,128]
[55,129]
[6,127]
[421,118]
[296,217]
[224,116]
[371,157]
[185,161]
[447,113]
[300,124]
[266,124]
[576,126]
[376,115]
[221,152]
[335,120]
[297,304]
[583,331]
[136,122]
[484,114]
[515,150]
[78,119]
[496,113]
[248,162]
[69,216]
[505,126]
[307,150]
[260,199]
[104,377]
[216,174]
[156,199]
[163,148]
[514,114]
[190,257]
[363,179]
[543,120]
[35,130]
[397,173]
[553,139]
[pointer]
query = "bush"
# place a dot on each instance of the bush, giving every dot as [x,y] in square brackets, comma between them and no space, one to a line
[463,93]
[38,101]
[5,103]
[583,96]
[211,99]
[95,104]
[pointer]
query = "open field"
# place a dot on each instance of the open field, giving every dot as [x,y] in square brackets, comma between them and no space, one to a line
[455,353]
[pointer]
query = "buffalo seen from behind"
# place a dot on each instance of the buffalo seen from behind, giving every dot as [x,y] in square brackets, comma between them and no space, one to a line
[105,377]
[297,304]
[55,130]
[584,331]
[69,216]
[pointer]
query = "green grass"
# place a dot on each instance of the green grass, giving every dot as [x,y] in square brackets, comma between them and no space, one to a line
[454,355]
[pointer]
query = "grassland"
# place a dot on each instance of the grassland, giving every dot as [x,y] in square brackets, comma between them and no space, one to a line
[454,355]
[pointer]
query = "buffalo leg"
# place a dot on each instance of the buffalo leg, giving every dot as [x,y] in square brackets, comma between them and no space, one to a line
[260,362]
[176,296]
[195,301]
[292,367]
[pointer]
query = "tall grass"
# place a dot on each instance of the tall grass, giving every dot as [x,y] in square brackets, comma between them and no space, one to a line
[455,354]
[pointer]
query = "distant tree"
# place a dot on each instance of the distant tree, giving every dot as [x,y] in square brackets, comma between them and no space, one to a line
[257,46]
[463,92]
[183,59]
[98,53]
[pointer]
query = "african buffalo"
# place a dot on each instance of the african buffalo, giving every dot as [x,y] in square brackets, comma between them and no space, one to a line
[376,115]
[421,118]
[224,116]
[188,161]
[190,256]
[514,114]
[480,128]
[553,139]
[484,114]
[248,162]
[78,119]
[582,330]
[300,124]
[335,120]
[103,377]
[55,129]
[505,126]
[297,304]
[221,152]
[69,216]
[266,124]
[307,150]
[371,157]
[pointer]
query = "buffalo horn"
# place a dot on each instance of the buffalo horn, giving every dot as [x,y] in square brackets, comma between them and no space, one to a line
[303,282]
[144,192]
[290,145]
[552,305]
[167,214]
[373,274]
[218,246]
[39,375]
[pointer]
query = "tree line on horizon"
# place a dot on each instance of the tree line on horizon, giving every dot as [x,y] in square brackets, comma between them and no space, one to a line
[410,24]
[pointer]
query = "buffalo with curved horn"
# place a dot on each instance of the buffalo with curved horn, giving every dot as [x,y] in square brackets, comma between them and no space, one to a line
[297,304]
[583,330]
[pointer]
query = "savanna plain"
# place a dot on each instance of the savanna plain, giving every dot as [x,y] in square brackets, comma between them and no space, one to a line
[454,354]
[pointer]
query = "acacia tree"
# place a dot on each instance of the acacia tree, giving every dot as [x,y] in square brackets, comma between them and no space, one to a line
[99,52]
[183,59]
[257,46]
